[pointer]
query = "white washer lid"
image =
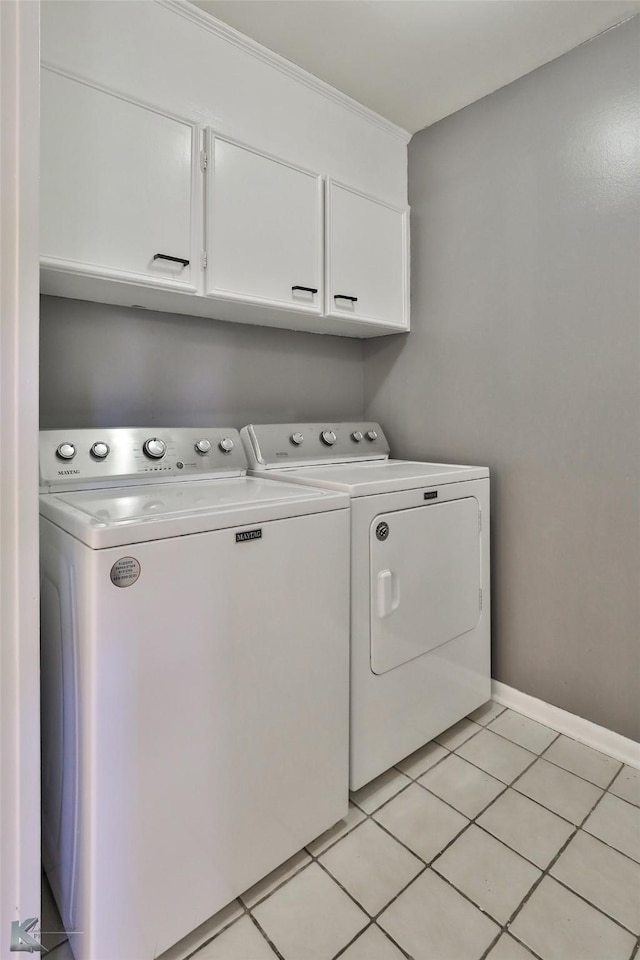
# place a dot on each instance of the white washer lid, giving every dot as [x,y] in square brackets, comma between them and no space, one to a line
[122,515]
[378,476]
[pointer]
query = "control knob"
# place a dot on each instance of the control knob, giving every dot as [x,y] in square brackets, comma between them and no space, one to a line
[100,450]
[328,437]
[297,438]
[66,451]
[203,446]
[357,436]
[154,448]
[372,435]
[226,444]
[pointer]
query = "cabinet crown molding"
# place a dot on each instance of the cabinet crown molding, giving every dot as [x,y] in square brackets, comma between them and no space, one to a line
[232,36]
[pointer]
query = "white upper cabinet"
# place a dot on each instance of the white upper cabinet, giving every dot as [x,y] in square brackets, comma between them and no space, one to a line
[367,269]
[120,188]
[135,96]
[264,229]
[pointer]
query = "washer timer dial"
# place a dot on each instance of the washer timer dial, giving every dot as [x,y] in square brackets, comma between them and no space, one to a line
[328,437]
[154,448]
[226,444]
[66,451]
[100,450]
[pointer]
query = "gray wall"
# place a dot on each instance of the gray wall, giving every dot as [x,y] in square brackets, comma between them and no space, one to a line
[116,366]
[525,355]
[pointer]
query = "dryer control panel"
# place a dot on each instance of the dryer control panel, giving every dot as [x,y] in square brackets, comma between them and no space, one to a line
[271,445]
[73,459]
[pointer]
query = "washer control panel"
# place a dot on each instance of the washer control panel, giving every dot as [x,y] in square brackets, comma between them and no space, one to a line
[303,444]
[75,458]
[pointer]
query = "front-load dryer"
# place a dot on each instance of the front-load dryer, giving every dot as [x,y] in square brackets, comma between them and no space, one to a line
[420,610]
[195,659]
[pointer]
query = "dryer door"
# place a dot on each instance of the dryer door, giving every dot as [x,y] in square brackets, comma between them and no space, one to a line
[425,579]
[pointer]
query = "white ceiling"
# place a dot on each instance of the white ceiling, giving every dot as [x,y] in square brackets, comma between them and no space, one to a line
[416,61]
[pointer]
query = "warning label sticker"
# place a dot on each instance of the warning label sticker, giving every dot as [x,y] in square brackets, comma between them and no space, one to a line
[125,572]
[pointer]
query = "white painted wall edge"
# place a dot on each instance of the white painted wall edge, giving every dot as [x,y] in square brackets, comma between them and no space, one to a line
[19,309]
[607,741]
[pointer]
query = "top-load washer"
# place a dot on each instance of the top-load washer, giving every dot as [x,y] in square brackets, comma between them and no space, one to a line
[194,678]
[420,614]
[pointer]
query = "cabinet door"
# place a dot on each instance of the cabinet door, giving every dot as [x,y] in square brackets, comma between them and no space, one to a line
[264,229]
[119,187]
[366,258]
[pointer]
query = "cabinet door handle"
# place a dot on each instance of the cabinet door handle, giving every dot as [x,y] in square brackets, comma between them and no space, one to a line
[165,256]
[308,289]
[344,296]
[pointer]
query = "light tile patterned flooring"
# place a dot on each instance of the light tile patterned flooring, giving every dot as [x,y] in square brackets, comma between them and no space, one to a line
[501,840]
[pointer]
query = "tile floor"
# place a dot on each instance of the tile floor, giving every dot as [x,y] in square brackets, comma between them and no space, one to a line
[502,840]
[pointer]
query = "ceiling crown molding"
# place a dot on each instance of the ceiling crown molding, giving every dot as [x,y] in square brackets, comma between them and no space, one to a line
[222,30]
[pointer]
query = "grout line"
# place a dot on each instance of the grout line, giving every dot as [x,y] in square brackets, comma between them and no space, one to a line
[359,934]
[505,933]
[361,906]
[538,956]
[580,896]
[372,917]
[404,952]
[388,800]
[544,872]
[629,803]
[205,943]
[617,777]
[260,930]
[332,843]
[362,932]
[427,865]
[507,786]
[375,916]
[552,862]
[413,779]
[624,800]
[278,886]
[436,763]
[521,745]
[491,719]
[573,773]
[504,785]
[223,929]
[515,743]
[504,928]
[534,756]
[511,786]
[518,908]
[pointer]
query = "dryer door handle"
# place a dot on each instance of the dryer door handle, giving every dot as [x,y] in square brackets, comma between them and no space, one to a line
[388,593]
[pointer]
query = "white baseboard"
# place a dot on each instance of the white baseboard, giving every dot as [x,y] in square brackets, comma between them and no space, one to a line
[614,744]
